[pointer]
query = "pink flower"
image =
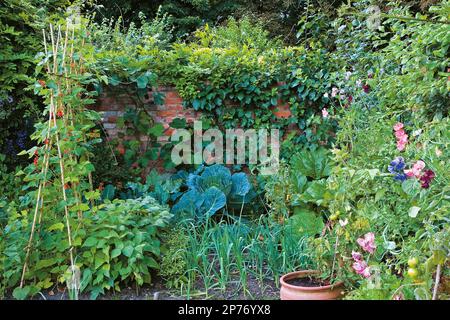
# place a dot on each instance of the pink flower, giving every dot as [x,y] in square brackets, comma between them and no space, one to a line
[409,173]
[366,272]
[368,242]
[403,139]
[325,113]
[399,133]
[356,256]
[416,169]
[362,268]
[419,165]
[398,126]
[401,146]
[334,92]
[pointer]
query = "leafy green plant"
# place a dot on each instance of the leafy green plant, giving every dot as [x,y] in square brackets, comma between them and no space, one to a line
[209,190]
[299,191]
[173,262]
[121,244]
[21,24]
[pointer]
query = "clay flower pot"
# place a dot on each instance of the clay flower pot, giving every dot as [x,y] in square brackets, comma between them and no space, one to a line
[295,292]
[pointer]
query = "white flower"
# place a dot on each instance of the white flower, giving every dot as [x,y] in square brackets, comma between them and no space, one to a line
[348,75]
[334,92]
[343,223]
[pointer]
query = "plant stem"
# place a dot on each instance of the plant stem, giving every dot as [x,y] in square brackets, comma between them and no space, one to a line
[436,283]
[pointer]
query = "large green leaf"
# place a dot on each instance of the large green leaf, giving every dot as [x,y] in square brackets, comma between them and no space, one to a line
[240,184]
[314,164]
[214,200]
[304,223]
[215,176]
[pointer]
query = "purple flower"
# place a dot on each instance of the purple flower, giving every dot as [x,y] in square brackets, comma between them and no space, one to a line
[400,177]
[426,178]
[397,165]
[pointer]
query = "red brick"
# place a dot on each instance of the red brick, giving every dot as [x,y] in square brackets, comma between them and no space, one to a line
[169,131]
[167,113]
[282,114]
[173,101]
[177,107]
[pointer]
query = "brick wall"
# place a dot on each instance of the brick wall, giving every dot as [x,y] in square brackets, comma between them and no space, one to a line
[112,105]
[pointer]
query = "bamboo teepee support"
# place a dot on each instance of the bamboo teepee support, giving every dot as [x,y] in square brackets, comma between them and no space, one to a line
[53,71]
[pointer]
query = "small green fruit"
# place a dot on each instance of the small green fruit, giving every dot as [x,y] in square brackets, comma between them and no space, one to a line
[412,262]
[412,272]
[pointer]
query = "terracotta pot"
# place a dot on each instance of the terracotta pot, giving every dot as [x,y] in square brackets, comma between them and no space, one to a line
[291,292]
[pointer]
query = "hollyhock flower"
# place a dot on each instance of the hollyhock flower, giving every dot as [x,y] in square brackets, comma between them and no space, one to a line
[358,83]
[366,88]
[356,256]
[334,92]
[325,113]
[325,94]
[362,268]
[368,242]
[350,99]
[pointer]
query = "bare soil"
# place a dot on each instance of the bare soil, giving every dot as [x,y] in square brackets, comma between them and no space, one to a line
[307,282]
[255,290]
